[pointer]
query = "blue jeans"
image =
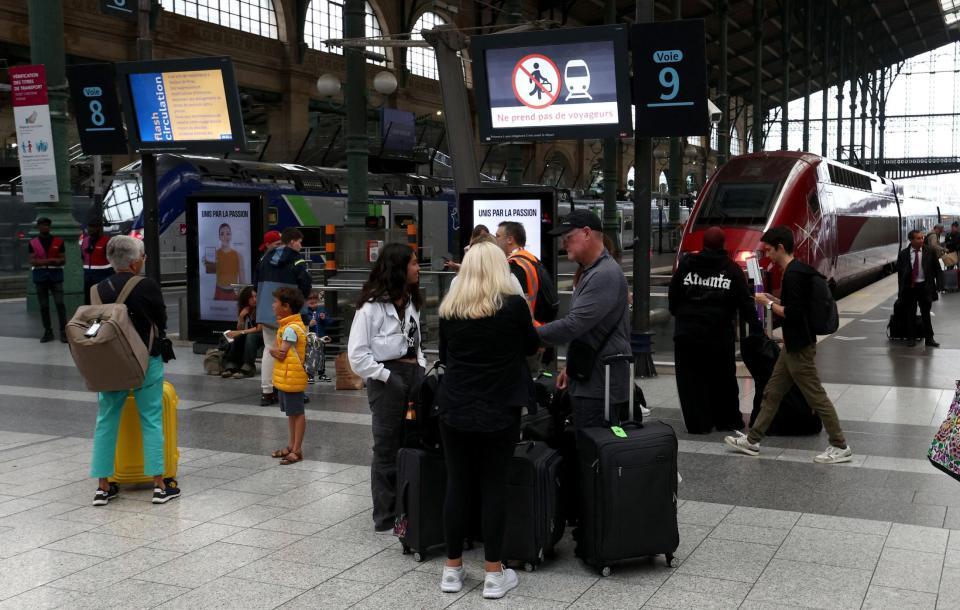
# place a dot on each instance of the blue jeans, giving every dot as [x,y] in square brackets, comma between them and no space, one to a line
[149,399]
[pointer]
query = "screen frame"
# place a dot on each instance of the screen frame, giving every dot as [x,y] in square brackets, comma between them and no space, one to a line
[616,33]
[208,331]
[231,93]
[548,216]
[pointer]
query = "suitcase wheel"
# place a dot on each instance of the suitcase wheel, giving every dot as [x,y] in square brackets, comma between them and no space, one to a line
[418,556]
[605,571]
[529,567]
[669,557]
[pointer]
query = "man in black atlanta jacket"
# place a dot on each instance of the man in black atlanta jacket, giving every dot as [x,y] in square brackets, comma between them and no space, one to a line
[706,293]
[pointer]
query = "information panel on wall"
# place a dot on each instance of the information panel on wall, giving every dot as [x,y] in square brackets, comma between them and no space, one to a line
[556,84]
[31,115]
[223,233]
[670,78]
[189,105]
[534,208]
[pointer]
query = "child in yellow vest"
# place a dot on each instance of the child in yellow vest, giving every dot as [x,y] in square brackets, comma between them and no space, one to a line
[289,375]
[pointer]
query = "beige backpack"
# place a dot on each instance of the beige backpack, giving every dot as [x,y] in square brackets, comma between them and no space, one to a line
[105,345]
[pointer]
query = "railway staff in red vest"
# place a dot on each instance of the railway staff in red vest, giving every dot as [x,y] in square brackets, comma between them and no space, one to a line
[47,260]
[93,251]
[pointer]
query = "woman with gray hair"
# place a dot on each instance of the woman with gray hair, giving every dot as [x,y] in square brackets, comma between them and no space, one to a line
[149,316]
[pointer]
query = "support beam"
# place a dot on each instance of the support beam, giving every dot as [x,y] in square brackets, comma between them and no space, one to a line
[355,95]
[723,97]
[825,79]
[675,180]
[808,53]
[610,166]
[785,100]
[841,59]
[758,75]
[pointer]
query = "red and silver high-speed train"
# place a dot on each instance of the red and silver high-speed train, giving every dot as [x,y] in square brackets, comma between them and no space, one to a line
[848,224]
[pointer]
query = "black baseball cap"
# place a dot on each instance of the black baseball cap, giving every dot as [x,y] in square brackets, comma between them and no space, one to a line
[577,219]
[43,220]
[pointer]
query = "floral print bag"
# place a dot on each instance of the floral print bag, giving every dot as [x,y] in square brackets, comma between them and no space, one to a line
[944,451]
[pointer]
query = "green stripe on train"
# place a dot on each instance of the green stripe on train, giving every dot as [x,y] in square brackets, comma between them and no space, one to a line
[302,210]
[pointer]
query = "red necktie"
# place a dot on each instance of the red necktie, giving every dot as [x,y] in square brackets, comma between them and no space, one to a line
[916,267]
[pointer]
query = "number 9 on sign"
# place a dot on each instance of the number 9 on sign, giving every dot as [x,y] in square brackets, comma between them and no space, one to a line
[671,80]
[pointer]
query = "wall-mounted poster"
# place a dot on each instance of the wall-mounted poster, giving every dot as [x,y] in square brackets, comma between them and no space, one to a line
[224,240]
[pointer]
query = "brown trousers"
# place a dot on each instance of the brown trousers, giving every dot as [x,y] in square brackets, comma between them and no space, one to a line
[798,368]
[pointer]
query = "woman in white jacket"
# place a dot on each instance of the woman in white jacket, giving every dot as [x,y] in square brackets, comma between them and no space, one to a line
[384,348]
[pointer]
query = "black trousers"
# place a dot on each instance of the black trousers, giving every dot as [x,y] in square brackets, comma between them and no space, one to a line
[706,374]
[243,351]
[914,296]
[44,291]
[388,405]
[477,460]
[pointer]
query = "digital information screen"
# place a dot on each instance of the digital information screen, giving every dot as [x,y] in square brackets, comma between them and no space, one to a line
[223,248]
[491,213]
[178,106]
[182,105]
[553,85]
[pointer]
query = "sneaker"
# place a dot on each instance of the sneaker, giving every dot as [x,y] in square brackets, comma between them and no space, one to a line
[496,584]
[834,455]
[644,411]
[310,379]
[267,400]
[102,498]
[452,579]
[227,373]
[384,532]
[248,371]
[325,379]
[238,375]
[162,496]
[741,444]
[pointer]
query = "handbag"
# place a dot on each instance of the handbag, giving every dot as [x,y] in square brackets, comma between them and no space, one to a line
[581,357]
[944,451]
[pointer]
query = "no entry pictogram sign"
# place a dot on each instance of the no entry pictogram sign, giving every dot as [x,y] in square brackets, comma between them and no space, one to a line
[536,81]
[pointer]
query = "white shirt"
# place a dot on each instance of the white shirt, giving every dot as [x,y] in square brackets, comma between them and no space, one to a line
[377,336]
[914,255]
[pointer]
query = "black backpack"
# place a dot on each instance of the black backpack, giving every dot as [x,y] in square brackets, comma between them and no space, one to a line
[823,315]
[420,427]
[548,301]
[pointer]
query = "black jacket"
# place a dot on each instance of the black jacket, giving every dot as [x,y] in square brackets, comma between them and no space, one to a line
[931,271]
[795,294]
[144,304]
[952,242]
[706,293]
[279,268]
[487,379]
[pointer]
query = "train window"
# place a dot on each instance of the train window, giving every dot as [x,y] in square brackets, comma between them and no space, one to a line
[123,202]
[273,216]
[746,203]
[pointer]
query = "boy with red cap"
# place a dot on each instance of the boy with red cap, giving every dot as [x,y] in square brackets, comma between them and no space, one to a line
[706,293]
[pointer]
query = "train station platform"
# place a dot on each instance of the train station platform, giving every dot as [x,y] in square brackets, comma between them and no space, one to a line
[780,531]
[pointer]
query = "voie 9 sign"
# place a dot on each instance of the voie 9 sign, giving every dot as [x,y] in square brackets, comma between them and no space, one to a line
[552,85]
[182,105]
[670,78]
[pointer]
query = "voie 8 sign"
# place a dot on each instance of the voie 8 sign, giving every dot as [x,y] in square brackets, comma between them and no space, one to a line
[669,78]
[96,109]
[552,85]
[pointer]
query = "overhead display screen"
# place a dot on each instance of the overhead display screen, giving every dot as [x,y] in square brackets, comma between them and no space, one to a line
[558,84]
[190,105]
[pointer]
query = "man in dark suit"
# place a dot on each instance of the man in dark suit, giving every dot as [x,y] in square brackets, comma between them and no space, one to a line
[919,277]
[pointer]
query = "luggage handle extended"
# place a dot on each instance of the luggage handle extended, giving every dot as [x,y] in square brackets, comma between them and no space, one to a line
[607,361]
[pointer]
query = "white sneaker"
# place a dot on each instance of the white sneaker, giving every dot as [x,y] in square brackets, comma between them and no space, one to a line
[834,455]
[496,584]
[452,579]
[644,411]
[741,444]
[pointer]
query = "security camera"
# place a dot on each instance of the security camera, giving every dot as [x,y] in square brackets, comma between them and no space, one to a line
[713,112]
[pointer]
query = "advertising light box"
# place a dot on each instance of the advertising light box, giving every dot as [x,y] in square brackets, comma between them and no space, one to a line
[552,85]
[182,105]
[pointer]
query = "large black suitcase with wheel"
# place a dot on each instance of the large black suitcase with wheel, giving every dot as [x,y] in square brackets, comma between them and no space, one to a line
[795,417]
[534,522]
[897,326]
[421,487]
[629,488]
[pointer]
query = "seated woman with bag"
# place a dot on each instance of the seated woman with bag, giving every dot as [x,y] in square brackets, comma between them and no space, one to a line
[486,333]
[240,359]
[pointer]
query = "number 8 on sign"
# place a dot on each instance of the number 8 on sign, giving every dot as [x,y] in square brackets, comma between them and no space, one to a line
[96,113]
[671,80]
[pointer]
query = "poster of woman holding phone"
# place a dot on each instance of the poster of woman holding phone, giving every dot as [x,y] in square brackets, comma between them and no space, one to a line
[227,263]
[224,250]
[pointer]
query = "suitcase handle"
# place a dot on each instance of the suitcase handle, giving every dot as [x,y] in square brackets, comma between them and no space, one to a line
[607,361]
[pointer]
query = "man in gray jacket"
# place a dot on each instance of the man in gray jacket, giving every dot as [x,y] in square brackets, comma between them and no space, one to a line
[597,320]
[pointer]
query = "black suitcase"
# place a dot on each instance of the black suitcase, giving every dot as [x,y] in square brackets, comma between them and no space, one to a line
[897,326]
[421,487]
[795,417]
[534,522]
[629,488]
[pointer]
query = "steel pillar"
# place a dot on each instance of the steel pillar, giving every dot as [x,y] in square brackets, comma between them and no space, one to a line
[883,118]
[46,48]
[355,97]
[512,15]
[723,98]
[785,38]
[826,80]
[757,75]
[610,166]
[807,83]
[854,77]
[843,70]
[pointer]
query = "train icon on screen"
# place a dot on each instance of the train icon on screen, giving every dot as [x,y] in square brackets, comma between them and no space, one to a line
[576,75]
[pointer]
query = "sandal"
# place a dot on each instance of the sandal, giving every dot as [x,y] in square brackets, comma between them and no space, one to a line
[287,459]
[280,453]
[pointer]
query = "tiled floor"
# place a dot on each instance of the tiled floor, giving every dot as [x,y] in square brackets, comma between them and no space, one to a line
[774,532]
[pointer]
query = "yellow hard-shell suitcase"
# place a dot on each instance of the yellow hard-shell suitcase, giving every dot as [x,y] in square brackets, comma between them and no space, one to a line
[128,466]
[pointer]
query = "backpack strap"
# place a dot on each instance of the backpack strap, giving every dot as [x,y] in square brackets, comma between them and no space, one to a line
[95,295]
[128,288]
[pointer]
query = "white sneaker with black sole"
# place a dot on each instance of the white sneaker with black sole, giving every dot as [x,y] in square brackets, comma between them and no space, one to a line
[834,455]
[451,581]
[741,444]
[164,495]
[496,584]
[102,498]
